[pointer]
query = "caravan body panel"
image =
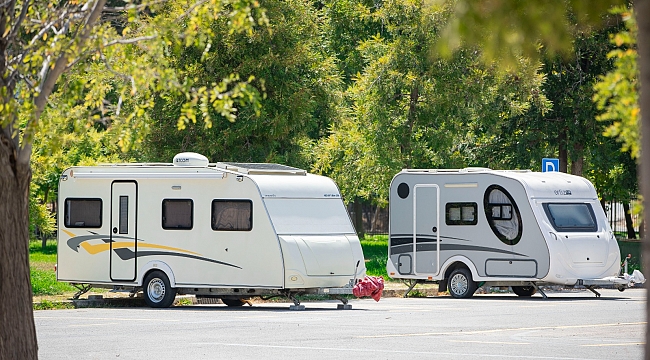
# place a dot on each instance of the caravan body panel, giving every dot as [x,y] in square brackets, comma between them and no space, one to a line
[205,227]
[496,223]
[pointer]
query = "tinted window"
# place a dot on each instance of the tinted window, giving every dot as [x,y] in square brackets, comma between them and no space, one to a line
[177,214]
[232,215]
[502,214]
[571,217]
[83,213]
[461,213]
[124,214]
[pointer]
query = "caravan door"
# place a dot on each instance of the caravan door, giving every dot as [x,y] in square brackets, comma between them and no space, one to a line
[123,246]
[426,229]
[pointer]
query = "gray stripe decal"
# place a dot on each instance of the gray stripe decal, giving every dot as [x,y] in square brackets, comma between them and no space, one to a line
[126,254]
[408,238]
[408,248]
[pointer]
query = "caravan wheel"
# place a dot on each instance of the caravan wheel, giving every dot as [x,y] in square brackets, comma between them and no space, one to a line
[157,291]
[460,284]
[524,291]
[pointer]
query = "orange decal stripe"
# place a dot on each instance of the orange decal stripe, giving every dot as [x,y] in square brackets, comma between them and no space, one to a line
[69,233]
[94,249]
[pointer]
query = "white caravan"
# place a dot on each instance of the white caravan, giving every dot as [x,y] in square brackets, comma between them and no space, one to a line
[502,228]
[227,230]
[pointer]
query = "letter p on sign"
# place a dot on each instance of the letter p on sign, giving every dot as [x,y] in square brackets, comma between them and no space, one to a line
[549,165]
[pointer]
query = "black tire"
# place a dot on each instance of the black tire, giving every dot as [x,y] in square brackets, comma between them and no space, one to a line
[233,302]
[158,293]
[524,291]
[460,284]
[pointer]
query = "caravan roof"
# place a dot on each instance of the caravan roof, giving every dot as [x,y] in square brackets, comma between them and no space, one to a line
[538,184]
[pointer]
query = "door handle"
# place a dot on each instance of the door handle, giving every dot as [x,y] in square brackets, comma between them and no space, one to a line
[114,230]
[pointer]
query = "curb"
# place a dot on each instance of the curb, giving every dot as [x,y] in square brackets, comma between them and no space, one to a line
[94,301]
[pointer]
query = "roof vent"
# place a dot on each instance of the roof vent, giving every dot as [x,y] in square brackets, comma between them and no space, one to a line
[190,159]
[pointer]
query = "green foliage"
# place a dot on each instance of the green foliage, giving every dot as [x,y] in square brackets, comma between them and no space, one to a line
[409,110]
[375,252]
[53,305]
[41,219]
[507,30]
[292,64]
[104,71]
[617,92]
[349,23]
[183,302]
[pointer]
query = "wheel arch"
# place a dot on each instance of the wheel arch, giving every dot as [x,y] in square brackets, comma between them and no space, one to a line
[153,266]
[458,262]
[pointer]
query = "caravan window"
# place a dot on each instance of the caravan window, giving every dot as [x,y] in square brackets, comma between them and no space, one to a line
[571,217]
[232,215]
[502,214]
[177,214]
[83,213]
[461,213]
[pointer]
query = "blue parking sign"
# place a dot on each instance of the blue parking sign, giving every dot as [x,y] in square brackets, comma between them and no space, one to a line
[549,165]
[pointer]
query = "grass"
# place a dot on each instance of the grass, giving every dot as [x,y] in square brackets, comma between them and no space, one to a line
[53,305]
[41,263]
[375,250]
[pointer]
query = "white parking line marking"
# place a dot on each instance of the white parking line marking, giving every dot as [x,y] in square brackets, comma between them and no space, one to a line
[102,318]
[505,329]
[489,342]
[84,325]
[385,351]
[619,344]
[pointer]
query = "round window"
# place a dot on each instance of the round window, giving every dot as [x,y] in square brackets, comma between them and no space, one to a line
[403,190]
[502,214]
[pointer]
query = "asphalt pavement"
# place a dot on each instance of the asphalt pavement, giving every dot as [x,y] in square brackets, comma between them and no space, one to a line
[568,325]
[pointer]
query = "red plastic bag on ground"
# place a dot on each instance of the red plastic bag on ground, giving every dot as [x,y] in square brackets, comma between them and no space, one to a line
[372,286]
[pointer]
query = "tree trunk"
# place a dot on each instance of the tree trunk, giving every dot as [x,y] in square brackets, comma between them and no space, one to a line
[358,218]
[17,331]
[375,217]
[631,234]
[642,10]
[577,164]
[43,237]
[563,152]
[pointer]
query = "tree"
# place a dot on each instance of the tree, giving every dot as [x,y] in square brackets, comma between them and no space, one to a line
[40,43]
[408,110]
[617,92]
[58,146]
[301,83]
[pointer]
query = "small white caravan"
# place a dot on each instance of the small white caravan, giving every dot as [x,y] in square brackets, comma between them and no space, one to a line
[227,230]
[503,228]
